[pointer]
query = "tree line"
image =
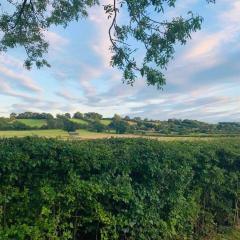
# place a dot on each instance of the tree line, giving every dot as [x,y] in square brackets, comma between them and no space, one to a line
[93,121]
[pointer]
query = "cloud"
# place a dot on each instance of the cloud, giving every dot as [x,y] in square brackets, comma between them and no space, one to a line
[66,95]
[8,91]
[202,81]
[37,106]
[20,78]
[56,41]
[101,43]
[88,74]
[232,15]
[207,44]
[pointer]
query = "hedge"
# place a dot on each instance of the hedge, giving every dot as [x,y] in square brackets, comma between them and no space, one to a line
[117,189]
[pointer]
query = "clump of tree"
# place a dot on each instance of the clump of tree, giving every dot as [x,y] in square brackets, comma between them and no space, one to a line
[55,123]
[92,116]
[78,115]
[64,123]
[8,124]
[119,125]
[97,126]
[63,116]
[31,115]
[69,126]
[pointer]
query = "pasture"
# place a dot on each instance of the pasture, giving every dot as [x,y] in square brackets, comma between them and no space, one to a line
[81,121]
[85,134]
[106,122]
[33,122]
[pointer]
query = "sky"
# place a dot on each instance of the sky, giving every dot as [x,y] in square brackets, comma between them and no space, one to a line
[203,79]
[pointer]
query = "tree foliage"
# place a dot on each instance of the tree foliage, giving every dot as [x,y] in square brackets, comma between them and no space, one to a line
[119,125]
[96,126]
[31,115]
[78,115]
[24,23]
[92,116]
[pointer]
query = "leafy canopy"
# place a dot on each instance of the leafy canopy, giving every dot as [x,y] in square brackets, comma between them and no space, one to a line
[24,22]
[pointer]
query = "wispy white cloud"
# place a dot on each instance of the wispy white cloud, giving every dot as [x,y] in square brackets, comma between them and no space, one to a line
[209,45]
[66,95]
[56,41]
[19,77]
[202,81]
[8,91]
[101,43]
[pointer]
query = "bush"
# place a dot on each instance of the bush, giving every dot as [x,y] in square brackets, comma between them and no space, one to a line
[133,189]
[120,126]
[97,126]
[7,124]
[69,126]
[56,123]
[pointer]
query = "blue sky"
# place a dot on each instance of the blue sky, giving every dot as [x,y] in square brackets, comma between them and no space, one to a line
[203,80]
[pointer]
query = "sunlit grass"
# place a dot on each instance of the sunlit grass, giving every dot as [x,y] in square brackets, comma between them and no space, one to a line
[33,122]
[84,134]
[81,121]
[106,122]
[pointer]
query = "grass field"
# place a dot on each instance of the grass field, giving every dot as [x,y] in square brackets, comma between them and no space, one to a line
[131,123]
[57,133]
[33,122]
[81,121]
[84,134]
[105,121]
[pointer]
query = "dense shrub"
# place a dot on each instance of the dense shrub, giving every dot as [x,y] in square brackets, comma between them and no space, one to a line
[96,126]
[64,124]
[128,189]
[7,124]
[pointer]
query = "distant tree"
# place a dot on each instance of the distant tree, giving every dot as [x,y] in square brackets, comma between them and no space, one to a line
[16,125]
[25,115]
[4,124]
[116,117]
[45,116]
[69,126]
[57,123]
[60,116]
[64,116]
[148,125]
[13,116]
[127,118]
[78,115]
[67,115]
[119,125]
[97,126]
[34,115]
[137,119]
[92,116]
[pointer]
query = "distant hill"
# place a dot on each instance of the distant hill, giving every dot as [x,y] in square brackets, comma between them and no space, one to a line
[95,122]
